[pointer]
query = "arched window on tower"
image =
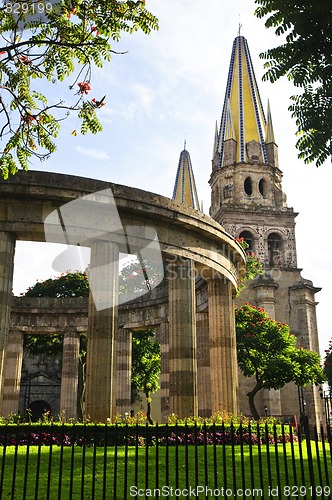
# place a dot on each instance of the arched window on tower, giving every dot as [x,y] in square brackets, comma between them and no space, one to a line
[274,245]
[249,239]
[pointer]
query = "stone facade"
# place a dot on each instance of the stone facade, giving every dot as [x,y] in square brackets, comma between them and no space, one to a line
[255,208]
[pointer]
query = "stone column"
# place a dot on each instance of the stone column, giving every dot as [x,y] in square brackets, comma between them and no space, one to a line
[7,250]
[102,325]
[303,322]
[162,336]
[124,357]
[69,376]
[12,373]
[265,298]
[265,295]
[203,365]
[223,359]
[182,339]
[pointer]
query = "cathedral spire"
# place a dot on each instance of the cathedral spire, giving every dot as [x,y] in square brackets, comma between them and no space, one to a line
[243,119]
[269,135]
[270,144]
[185,188]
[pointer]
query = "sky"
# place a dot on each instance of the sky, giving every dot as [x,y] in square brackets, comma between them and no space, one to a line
[169,87]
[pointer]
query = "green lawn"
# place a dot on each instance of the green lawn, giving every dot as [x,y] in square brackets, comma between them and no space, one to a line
[215,467]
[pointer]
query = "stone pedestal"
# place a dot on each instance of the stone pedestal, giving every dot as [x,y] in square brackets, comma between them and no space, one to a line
[69,376]
[7,250]
[12,374]
[182,339]
[102,325]
[223,359]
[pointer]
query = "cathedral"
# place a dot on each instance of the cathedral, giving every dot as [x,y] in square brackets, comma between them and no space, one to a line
[192,311]
[248,201]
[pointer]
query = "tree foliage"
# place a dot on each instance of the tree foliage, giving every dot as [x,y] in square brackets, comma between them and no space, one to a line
[267,350]
[42,44]
[306,59]
[254,267]
[48,345]
[138,276]
[328,365]
[146,366]
[67,285]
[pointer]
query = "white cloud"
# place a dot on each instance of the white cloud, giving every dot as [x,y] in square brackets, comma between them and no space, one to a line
[97,154]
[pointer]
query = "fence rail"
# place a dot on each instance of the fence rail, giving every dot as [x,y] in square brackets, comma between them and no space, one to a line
[104,462]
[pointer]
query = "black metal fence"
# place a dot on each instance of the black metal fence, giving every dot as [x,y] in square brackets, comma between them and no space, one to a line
[104,462]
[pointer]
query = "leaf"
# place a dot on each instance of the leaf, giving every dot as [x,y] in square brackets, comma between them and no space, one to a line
[48,53]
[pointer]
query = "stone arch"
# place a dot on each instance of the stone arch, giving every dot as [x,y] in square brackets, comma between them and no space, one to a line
[275,248]
[38,409]
[250,236]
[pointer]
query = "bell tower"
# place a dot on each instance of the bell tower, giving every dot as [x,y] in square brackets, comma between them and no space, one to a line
[246,182]
[248,201]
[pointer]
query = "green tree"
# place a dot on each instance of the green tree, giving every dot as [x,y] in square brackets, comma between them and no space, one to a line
[328,365]
[67,285]
[254,267]
[146,366]
[139,275]
[43,43]
[267,351]
[305,58]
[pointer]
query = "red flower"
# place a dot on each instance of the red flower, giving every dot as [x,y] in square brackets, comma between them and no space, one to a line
[98,104]
[27,118]
[93,28]
[84,87]
[72,11]
[25,59]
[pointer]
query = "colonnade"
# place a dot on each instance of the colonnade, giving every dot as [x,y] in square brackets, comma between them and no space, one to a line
[199,368]
[190,241]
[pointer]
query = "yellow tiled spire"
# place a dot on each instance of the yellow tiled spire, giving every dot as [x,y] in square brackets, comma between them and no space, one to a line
[243,116]
[185,188]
